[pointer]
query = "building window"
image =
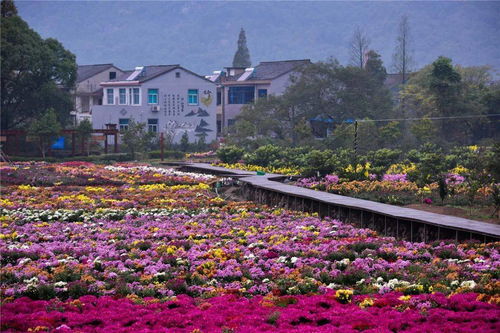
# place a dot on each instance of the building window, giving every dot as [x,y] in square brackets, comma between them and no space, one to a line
[136,100]
[219,98]
[112,75]
[152,96]
[262,93]
[177,74]
[193,96]
[123,96]
[231,122]
[153,125]
[123,124]
[241,95]
[110,96]
[219,126]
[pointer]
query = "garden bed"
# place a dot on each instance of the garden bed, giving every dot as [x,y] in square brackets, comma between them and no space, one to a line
[134,248]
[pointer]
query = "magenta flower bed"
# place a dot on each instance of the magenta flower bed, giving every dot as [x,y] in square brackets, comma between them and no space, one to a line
[320,313]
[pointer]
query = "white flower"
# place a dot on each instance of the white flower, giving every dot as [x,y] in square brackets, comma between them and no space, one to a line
[468,284]
[360,282]
[333,286]
[294,260]
[60,284]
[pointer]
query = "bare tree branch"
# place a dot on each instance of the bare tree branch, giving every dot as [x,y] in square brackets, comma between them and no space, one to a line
[402,57]
[359,48]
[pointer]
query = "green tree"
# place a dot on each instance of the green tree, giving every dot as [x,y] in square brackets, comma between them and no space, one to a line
[8,8]
[390,134]
[375,67]
[84,131]
[184,143]
[136,137]
[36,74]
[445,85]
[324,89]
[424,131]
[45,128]
[242,55]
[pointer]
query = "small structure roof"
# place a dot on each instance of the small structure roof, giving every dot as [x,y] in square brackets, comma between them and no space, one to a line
[87,71]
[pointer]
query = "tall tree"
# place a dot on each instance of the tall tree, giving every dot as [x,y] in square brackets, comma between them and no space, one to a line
[359,48]
[375,66]
[445,84]
[8,8]
[402,57]
[36,74]
[242,55]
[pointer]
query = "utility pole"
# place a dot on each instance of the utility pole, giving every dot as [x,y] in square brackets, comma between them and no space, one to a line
[356,137]
[162,141]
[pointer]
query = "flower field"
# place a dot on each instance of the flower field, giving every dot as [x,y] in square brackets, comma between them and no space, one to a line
[134,248]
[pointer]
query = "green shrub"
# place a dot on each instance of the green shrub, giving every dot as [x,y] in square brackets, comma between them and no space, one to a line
[318,161]
[230,154]
[264,155]
[382,159]
[170,154]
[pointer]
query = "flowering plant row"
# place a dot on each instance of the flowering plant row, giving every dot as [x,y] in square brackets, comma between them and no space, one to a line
[249,167]
[85,173]
[397,186]
[330,312]
[249,251]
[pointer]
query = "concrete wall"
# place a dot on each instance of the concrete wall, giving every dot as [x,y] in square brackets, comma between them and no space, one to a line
[276,87]
[84,105]
[175,115]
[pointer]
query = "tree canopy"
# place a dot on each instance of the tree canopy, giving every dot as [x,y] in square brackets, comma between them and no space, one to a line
[323,90]
[242,55]
[36,74]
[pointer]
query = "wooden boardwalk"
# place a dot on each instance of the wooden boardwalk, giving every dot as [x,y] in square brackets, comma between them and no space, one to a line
[407,223]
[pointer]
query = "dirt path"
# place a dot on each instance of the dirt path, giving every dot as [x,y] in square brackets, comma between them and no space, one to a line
[480,214]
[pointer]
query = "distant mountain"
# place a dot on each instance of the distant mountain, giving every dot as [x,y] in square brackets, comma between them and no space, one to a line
[202,35]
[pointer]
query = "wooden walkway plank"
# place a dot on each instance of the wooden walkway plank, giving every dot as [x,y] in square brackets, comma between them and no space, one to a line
[265,182]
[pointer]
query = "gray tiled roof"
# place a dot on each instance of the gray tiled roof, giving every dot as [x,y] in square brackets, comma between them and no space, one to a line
[269,70]
[150,72]
[86,71]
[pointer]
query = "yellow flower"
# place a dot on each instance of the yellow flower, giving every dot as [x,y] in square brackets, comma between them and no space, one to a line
[404,298]
[367,302]
[473,148]
[344,295]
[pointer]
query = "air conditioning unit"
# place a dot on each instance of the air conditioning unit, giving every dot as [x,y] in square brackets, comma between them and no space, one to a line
[155,108]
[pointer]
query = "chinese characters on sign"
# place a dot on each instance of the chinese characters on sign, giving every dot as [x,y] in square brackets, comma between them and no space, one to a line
[173,104]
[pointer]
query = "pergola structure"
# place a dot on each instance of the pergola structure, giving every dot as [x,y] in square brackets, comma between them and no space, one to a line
[13,138]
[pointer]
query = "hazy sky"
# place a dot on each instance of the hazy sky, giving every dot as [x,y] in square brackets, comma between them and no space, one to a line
[202,35]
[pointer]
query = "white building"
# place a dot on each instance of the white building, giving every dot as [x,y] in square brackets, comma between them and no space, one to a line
[168,98]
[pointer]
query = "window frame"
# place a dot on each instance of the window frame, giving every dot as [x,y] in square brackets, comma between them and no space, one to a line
[138,96]
[153,127]
[196,96]
[237,95]
[150,94]
[120,96]
[122,125]
[112,91]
